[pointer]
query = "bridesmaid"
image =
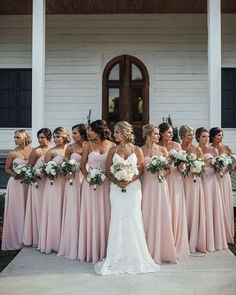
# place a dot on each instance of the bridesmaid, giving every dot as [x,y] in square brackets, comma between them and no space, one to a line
[95,204]
[216,137]
[34,197]
[50,225]
[177,195]
[215,228]
[71,205]
[194,196]
[156,208]
[16,193]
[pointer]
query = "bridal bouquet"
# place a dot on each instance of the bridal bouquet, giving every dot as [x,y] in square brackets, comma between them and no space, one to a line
[219,163]
[95,176]
[232,162]
[20,170]
[32,175]
[196,166]
[156,165]
[124,171]
[180,160]
[69,167]
[51,170]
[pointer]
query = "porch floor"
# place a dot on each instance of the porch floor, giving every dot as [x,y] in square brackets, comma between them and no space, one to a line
[32,272]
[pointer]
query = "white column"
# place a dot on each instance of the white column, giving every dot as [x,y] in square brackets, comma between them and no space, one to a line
[38,68]
[214,61]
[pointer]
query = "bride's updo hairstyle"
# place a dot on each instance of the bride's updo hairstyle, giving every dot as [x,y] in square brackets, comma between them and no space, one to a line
[126,130]
[100,127]
[62,132]
[148,129]
[183,131]
[199,131]
[25,136]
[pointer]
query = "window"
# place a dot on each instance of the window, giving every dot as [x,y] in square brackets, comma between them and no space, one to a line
[15,98]
[228,98]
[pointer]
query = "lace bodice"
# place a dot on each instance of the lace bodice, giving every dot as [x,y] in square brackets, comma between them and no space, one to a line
[131,159]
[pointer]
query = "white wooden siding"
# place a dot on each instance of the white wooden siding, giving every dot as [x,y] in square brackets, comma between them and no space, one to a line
[173,48]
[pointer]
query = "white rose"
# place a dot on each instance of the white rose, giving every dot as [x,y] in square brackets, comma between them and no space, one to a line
[72,161]
[154,162]
[119,175]
[53,172]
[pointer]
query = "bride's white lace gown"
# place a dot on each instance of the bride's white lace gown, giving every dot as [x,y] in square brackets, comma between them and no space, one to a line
[127,250]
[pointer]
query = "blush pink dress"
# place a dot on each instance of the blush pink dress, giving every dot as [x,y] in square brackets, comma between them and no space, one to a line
[33,209]
[227,204]
[51,217]
[156,211]
[215,228]
[196,213]
[178,211]
[71,215]
[14,213]
[95,215]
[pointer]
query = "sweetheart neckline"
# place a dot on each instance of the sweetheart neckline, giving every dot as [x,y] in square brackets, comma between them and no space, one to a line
[98,153]
[124,158]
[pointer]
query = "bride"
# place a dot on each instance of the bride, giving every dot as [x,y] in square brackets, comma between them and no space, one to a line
[127,250]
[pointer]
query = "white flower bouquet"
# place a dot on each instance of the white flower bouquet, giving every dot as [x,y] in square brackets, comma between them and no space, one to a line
[180,160]
[69,168]
[156,165]
[20,171]
[232,162]
[219,163]
[32,175]
[196,166]
[51,170]
[124,171]
[95,177]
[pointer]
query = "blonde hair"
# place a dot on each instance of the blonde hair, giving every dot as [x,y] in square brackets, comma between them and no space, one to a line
[25,135]
[126,130]
[62,132]
[148,129]
[184,129]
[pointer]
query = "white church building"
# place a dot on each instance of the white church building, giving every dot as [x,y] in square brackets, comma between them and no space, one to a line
[137,60]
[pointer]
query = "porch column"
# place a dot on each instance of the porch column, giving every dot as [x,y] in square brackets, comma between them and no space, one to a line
[38,68]
[214,61]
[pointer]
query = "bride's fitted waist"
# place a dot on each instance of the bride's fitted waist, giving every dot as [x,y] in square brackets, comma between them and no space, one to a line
[134,184]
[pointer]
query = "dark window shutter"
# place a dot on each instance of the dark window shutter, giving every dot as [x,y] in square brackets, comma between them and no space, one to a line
[228,98]
[15,97]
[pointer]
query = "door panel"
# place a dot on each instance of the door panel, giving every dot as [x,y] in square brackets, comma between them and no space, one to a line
[126,93]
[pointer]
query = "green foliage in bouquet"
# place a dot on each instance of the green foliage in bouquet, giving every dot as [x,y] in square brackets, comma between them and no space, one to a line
[176,137]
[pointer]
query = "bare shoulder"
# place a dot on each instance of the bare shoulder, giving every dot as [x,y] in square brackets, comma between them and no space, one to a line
[176,145]
[163,150]
[138,150]
[36,151]
[12,154]
[112,149]
[214,152]
[69,148]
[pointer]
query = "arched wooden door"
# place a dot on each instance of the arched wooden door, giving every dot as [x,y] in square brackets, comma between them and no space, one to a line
[126,93]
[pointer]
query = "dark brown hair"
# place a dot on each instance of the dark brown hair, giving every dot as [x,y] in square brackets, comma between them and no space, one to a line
[199,131]
[101,128]
[213,132]
[82,130]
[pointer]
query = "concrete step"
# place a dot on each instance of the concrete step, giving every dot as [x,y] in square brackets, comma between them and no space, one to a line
[32,272]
